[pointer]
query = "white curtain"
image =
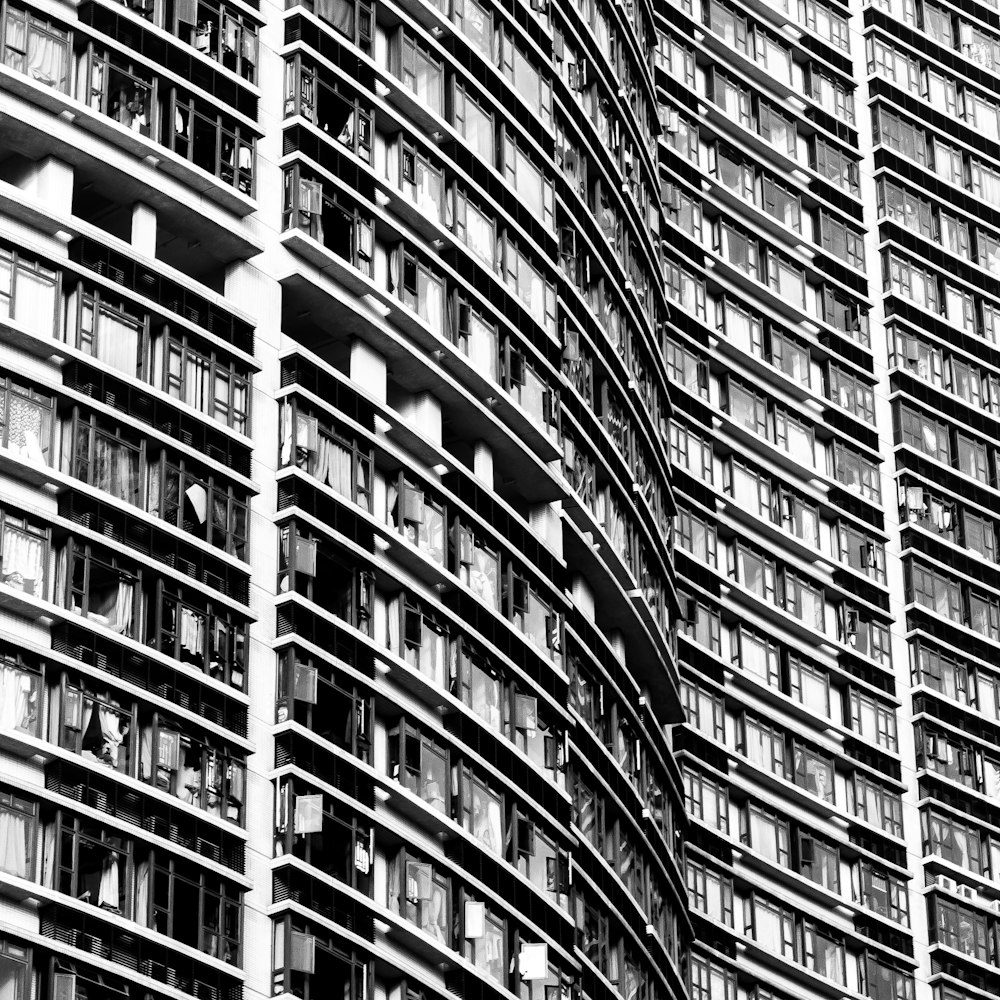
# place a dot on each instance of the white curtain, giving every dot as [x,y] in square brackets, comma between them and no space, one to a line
[24,429]
[117,343]
[146,754]
[392,620]
[23,558]
[192,629]
[124,608]
[14,843]
[15,698]
[142,895]
[111,730]
[35,302]
[108,892]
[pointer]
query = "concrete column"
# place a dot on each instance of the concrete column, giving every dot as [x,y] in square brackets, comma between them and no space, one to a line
[144,229]
[482,463]
[368,369]
[423,412]
[583,597]
[51,181]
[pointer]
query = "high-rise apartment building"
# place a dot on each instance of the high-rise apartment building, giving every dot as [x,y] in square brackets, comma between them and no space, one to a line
[335,592]
[832,174]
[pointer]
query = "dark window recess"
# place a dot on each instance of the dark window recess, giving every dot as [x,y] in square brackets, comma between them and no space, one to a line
[176,58]
[137,402]
[113,522]
[181,689]
[167,294]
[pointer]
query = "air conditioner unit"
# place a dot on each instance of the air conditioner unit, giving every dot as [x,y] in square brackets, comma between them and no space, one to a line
[995,905]
[967,891]
[943,882]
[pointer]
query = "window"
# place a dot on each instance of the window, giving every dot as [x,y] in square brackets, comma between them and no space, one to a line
[20,693]
[104,590]
[972,458]
[877,805]
[208,381]
[924,434]
[697,536]
[836,166]
[960,928]
[704,710]
[906,207]
[36,47]
[764,745]
[710,892]
[325,450]
[943,674]
[856,473]
[794,436]
[755,572]
[324,701]
[25,422]
[415,634]
[420,72]
[527,81]
[813,772]
[175,899]
[786,279]
[884,893]
[758,656]
[819,862]
[746,407]
[474,124]
[481,811]
[223,35]
[804,600]
[809,685]
[475,22]
[900,135]
[781,203]
[533,616]
[750,489]
[771,925]
[98,726]
[201,505]
[953,840]
[18,819]
[530,287]
[478,686]
[418,764]
[535,192]
[28,293]
[790,357]
[884,982]
[707,800]
[709,980]
[476,338]
[873,720]
[91,864]
[703,625]
[765,833]
[209,139]
[422,896]
[851,393]
[24,554]
[484,939]
[824,953]
[15,970]
[418,288]
[475,229]
[842,242]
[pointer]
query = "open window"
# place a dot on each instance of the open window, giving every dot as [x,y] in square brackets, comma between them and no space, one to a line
[420,765]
